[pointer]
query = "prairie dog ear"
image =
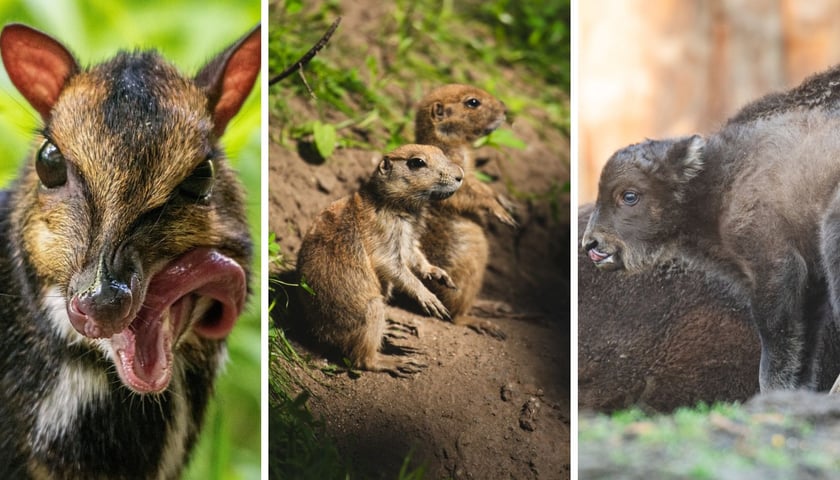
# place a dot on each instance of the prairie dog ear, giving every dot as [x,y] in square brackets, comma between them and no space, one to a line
[227,79]
[384,166]
[438,111]
[38,65]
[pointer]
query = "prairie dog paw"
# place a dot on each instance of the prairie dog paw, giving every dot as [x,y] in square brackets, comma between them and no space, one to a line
[432,305]
[503,210]
[440,275]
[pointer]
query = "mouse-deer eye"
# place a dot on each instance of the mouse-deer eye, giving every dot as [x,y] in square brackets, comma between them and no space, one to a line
[472,103]
[630,198]
[51,166]
[415,163]
[200,182]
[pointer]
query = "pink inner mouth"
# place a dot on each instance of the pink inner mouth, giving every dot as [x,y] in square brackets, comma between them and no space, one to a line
[597,255]
[143,351]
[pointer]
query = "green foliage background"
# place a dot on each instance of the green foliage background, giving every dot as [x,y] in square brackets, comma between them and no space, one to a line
[188,33]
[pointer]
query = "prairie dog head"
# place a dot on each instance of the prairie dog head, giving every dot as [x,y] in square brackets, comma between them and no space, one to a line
[128,207]
[457,114]
[640,203]
[412,175]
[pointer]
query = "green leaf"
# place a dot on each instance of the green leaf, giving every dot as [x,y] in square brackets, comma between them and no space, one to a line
[325,138]
[273,247]
[293,6]
[483,177]
[505,138]
[306,286]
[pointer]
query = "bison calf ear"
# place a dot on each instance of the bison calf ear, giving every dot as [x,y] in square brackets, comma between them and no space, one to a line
[686,156]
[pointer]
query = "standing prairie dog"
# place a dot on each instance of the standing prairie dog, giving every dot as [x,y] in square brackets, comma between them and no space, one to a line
[364,245]
[124,259]
[452,117]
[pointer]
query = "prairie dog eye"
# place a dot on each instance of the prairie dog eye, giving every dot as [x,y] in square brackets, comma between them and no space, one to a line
[630,198]
[415,163]
[51,166]
[200,182]
[472,103]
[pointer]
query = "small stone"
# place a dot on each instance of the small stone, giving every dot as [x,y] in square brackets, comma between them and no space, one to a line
[527,419]
[507,392]
[325,181]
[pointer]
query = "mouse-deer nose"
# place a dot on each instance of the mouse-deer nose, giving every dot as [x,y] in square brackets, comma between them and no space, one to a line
[102,298]
[101,310]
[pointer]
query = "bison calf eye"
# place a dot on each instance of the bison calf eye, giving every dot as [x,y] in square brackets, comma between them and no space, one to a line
[414,163]
[51,166]
[200,182]
[473,103]
[630,198]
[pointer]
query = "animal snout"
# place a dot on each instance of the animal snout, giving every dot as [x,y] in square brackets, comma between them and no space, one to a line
[451,176]
[588,241]
[102,310]
[103,299]
[458,174]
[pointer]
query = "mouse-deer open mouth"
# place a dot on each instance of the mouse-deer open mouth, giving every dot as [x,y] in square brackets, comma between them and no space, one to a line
[202,285]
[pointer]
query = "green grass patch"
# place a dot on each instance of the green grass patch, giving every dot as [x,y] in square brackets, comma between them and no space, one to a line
[422,44]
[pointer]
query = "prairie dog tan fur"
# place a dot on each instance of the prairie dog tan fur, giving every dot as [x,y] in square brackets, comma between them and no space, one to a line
[364,245]
[452,117]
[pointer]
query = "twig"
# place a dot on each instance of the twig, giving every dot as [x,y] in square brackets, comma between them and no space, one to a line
[298,66]
[305,83]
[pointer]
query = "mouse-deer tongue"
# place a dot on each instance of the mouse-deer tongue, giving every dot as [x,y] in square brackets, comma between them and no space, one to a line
[143,352]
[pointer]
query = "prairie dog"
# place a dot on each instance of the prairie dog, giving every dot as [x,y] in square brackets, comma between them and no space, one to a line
[125,256]
[364,245]
[452,117]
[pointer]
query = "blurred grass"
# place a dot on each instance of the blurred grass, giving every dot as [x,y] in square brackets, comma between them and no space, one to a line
[722,441]
[188,33]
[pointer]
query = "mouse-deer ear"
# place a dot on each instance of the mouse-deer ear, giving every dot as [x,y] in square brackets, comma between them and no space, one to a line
[227,79]
[38,65]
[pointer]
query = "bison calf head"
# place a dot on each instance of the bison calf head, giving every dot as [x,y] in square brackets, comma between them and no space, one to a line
[641,206]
